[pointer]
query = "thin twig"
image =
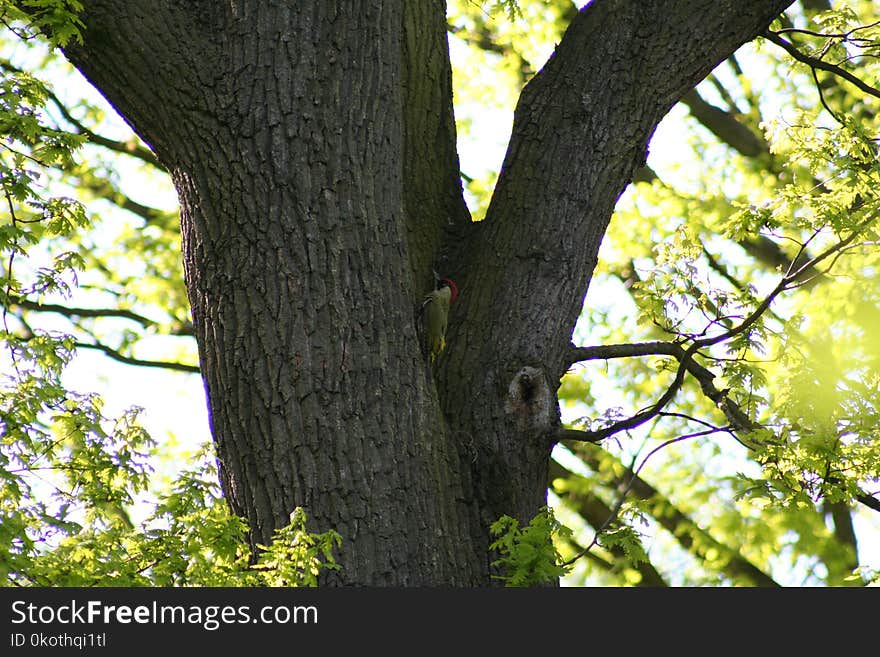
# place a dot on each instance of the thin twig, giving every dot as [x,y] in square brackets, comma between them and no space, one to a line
[622,497]
[838,35]
[809,60]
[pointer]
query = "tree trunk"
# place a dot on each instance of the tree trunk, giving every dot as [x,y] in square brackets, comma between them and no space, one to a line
[313,149]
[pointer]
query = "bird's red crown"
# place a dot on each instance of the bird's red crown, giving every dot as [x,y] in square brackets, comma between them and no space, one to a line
[448,282]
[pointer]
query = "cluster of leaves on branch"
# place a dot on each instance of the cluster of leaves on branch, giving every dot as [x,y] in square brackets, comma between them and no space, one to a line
[527,556]
[763,273]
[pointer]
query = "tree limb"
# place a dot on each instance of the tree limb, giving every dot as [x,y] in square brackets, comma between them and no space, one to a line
[565,433]
[68,311]
[104,189]
[845,533]
[626,350]
[868,500]
[739,421]
[725,126]
[572,152]
[128,360]
[816,63]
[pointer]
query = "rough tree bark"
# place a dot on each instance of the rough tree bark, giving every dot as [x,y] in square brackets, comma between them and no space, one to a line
[313,149]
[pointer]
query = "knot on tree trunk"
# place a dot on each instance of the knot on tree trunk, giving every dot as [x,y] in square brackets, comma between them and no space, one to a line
[531,401]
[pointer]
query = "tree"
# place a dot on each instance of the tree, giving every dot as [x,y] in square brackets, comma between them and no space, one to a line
[313,150]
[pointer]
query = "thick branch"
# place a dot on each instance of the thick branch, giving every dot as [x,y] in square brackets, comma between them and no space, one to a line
[580,130]
[868,500]
[844,532]
[725,126]
[141,55]
[565,433]
[628,350]
[433,197]
[106,190]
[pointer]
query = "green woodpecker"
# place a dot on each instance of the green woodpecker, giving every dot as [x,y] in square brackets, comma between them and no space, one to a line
[435,314]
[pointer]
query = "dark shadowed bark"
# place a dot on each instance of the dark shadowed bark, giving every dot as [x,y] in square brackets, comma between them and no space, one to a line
[313,149]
